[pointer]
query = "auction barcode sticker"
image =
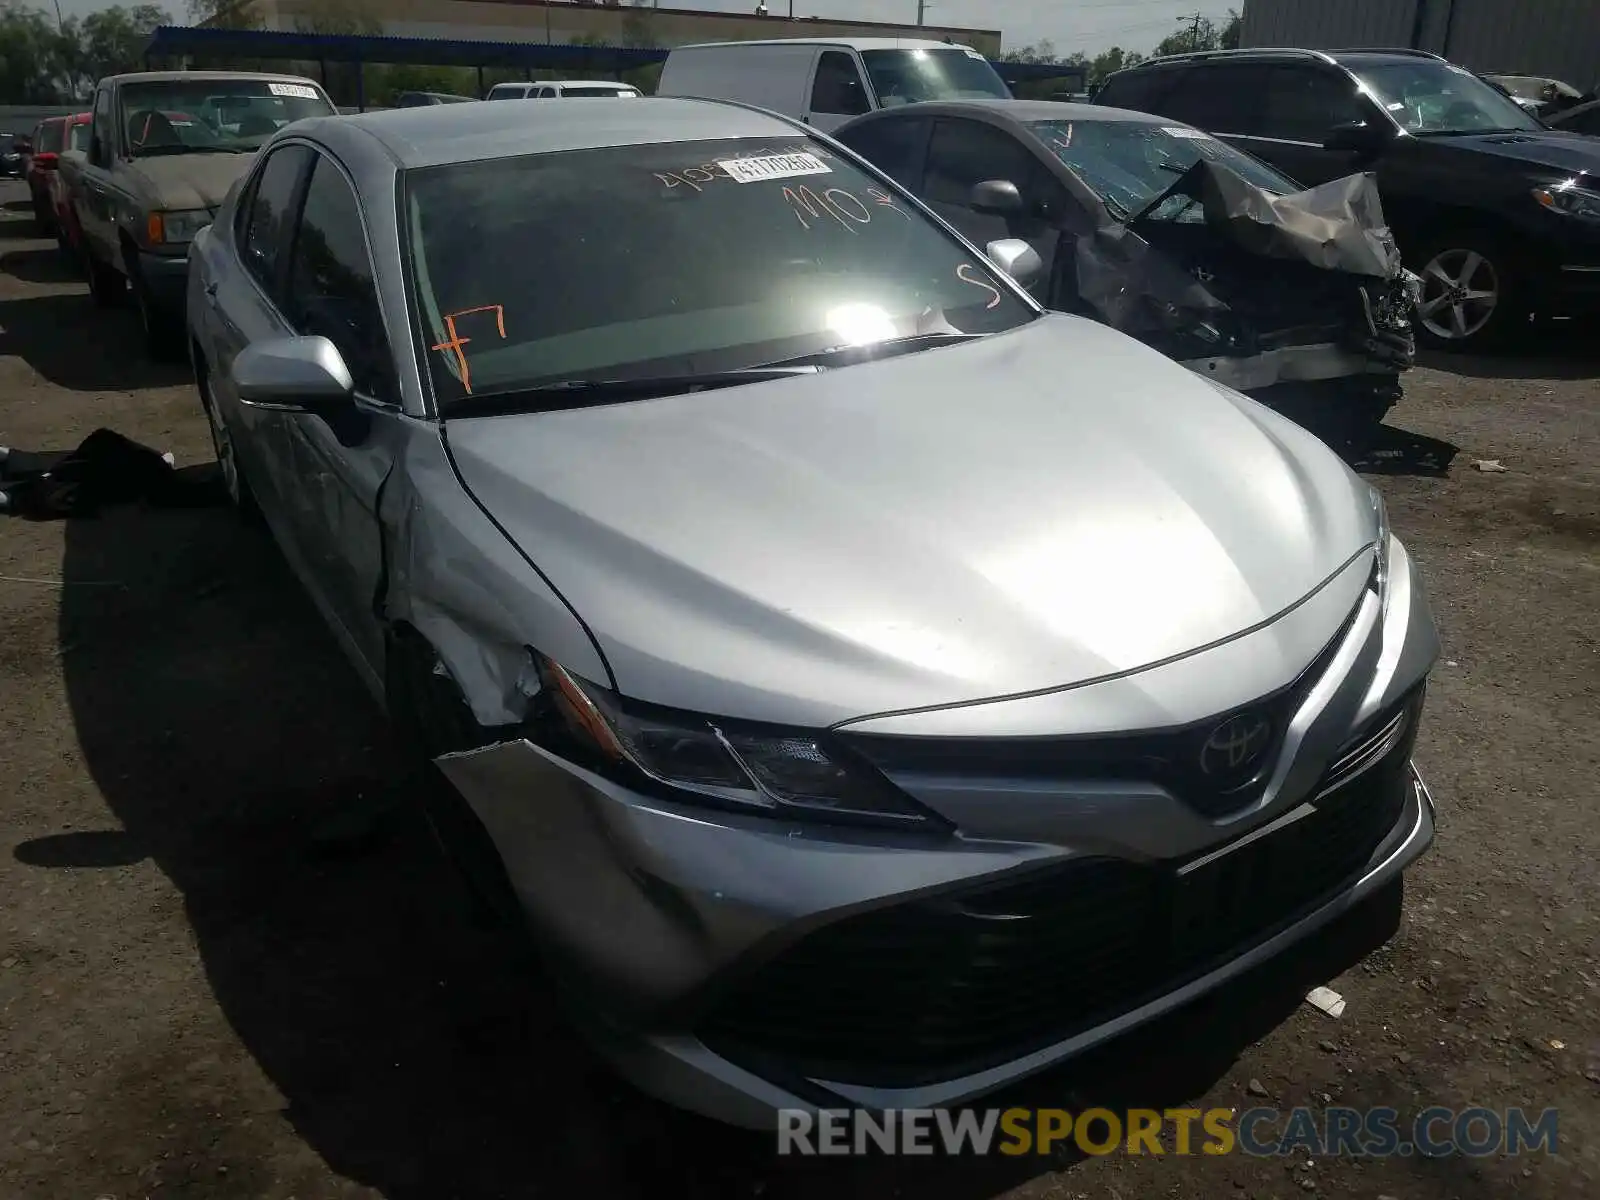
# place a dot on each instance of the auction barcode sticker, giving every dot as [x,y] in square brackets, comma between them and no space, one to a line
[303,90]
[773,166]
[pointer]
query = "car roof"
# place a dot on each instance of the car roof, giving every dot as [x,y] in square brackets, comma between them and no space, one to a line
[203,77]
[441,134]
[862,43]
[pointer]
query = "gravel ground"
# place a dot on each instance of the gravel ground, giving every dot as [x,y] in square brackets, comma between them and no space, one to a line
[198,999]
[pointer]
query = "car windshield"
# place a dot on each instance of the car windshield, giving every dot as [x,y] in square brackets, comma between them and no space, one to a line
[675,259]
[1127,164]
[912,76]
[1438,98]
[218,114]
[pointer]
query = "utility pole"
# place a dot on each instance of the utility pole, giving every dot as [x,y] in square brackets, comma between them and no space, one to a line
[1194,20]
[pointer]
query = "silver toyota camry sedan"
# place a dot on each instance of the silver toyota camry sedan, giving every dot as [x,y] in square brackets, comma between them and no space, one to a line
[865,687]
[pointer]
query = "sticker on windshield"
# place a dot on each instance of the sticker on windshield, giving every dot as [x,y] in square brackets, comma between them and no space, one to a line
[773,166]
[303,90]
[1178,131]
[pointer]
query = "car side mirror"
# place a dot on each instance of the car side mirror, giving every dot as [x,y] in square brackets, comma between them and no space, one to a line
[293,374]
[1016,258]
[996,197]
[1355,136]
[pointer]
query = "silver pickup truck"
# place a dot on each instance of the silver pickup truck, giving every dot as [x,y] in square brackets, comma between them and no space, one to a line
[164,148]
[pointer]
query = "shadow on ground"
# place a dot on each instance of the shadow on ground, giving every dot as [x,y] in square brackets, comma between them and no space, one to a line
[1392,451]
[1553,350]
[39,265]
[221,725]
[75,345]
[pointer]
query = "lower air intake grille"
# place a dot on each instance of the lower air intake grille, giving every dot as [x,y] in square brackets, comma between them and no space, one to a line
[935,988]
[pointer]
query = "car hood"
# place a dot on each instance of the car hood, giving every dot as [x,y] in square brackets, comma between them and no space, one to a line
[180,181]
[1020,513]
[1563,150]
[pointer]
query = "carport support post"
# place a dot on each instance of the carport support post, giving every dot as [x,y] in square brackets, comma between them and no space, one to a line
[361,84]
[480,81]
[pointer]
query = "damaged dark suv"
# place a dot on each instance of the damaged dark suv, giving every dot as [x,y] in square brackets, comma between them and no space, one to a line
[1159,230]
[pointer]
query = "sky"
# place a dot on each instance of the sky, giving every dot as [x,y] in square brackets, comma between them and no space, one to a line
[1087,25]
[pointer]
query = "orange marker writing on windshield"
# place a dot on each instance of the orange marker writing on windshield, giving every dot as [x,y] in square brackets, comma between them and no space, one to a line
[457,341]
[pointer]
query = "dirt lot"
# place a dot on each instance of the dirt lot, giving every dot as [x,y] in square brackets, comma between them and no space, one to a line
[199,998]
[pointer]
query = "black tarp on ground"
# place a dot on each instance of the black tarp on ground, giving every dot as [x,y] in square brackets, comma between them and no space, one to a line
[105,468]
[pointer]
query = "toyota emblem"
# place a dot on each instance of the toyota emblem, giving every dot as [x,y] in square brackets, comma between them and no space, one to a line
[1236,746]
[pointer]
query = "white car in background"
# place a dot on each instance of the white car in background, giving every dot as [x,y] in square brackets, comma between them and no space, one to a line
[563,89]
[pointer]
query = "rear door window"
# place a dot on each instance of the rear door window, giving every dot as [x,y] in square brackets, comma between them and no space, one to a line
[1225,98]
[1141,91]
[1303,104]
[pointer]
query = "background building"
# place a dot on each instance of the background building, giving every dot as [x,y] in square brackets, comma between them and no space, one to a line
[1559,39]
[568,22]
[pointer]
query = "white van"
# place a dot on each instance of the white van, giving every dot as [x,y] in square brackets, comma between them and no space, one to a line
[561,89]
[827,81]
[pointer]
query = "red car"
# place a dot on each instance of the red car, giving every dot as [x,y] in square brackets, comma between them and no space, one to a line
[53,138]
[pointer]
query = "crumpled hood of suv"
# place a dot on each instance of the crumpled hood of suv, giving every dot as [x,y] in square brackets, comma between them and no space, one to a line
[1021,513]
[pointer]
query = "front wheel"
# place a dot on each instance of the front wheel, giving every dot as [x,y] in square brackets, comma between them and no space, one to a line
[106,284]
[228,465]
[432,718]
[162,333]
[1471,291]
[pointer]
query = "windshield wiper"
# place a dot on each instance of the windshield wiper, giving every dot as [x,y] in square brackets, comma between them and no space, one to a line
[865,352]
[576,393]
[1472,132]
[154,151]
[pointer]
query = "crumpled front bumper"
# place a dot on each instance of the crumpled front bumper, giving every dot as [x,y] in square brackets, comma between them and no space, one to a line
[654,913]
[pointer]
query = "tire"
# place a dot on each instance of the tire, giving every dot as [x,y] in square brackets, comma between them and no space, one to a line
[1473,295]
[162,333]
[234,481]
[107,287]
[432,718]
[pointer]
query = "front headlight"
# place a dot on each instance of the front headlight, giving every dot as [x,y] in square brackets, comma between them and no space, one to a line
[176,228]
[1570,200]
[1380,570]
[782,772]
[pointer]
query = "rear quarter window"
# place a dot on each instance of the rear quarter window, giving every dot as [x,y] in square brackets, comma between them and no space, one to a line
[1141,91]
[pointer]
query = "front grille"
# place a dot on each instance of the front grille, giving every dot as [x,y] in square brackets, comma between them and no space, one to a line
[1170,757]
[941,986]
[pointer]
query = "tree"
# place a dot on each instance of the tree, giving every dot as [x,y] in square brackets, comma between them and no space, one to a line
[110,42]
[348,18]
[1232,31]
[638,26]
[225,14]
[1044,52]
[1199,34]
[35,58]
[1109,62]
